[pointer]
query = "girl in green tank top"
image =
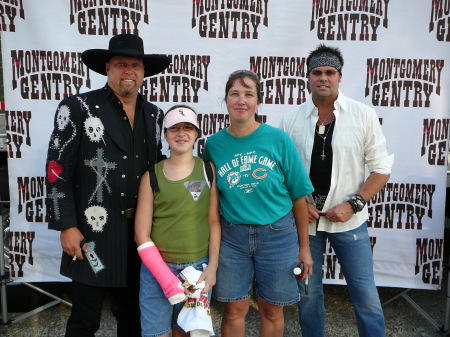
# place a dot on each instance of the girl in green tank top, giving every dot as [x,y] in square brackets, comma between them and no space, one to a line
[180,218]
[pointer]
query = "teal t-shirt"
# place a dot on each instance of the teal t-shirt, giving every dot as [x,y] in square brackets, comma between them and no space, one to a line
[258,175]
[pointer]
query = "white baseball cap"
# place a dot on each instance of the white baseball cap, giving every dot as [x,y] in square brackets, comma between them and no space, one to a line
[180,115]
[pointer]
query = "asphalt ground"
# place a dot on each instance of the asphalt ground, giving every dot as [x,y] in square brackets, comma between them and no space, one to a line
[402,318]
[408,312]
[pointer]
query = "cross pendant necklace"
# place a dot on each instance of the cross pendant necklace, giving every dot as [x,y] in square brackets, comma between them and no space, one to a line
[324,137]
[323,149]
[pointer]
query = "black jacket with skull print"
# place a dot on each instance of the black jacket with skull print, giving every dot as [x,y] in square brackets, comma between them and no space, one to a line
[86,182]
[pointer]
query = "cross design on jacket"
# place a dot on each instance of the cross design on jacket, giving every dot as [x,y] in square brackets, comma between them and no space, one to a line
[54,195]
[101,168]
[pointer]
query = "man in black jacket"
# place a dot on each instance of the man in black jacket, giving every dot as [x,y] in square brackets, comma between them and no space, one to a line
[102,143]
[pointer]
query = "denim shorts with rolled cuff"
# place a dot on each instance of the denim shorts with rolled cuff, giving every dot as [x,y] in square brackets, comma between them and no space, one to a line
[157,314]
[266,254]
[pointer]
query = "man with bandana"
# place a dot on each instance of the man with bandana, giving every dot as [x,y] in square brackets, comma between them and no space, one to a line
[335,137]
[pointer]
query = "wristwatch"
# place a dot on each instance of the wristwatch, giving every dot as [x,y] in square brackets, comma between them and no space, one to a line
[357,202]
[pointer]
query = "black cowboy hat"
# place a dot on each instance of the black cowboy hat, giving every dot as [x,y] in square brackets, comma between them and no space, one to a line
[124,45]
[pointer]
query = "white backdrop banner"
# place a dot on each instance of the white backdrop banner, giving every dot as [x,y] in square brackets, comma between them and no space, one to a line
[397,59]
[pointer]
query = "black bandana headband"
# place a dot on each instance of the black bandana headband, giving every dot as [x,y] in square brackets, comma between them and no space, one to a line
[324,59]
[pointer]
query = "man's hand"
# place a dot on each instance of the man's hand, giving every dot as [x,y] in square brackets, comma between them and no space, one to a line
[313,213]
[340,213]
[70,242]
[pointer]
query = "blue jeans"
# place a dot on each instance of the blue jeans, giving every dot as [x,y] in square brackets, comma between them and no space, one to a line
[354,254]
[266,254]
[157,314]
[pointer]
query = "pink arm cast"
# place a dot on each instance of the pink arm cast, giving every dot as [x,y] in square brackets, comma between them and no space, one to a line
[169,283]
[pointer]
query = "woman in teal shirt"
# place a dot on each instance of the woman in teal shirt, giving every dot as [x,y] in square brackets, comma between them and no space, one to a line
[262,185]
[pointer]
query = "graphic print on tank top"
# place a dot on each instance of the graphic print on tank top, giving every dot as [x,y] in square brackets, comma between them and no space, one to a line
[195,188]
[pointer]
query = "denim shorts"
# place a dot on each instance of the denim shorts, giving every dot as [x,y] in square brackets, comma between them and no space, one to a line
[264,254]
[157,314]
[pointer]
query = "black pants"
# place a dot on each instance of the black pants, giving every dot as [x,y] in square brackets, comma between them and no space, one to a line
[128,314]
[87,302]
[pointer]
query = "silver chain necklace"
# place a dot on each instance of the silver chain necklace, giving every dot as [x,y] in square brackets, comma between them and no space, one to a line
[322,123]
[324,138]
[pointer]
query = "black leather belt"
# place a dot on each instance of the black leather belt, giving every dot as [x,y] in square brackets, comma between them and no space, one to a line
[130,213]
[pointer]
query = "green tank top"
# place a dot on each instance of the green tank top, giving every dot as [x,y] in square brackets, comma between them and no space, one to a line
[180,227]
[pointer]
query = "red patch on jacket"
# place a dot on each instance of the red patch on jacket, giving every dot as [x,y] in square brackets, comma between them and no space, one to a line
[53,171]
